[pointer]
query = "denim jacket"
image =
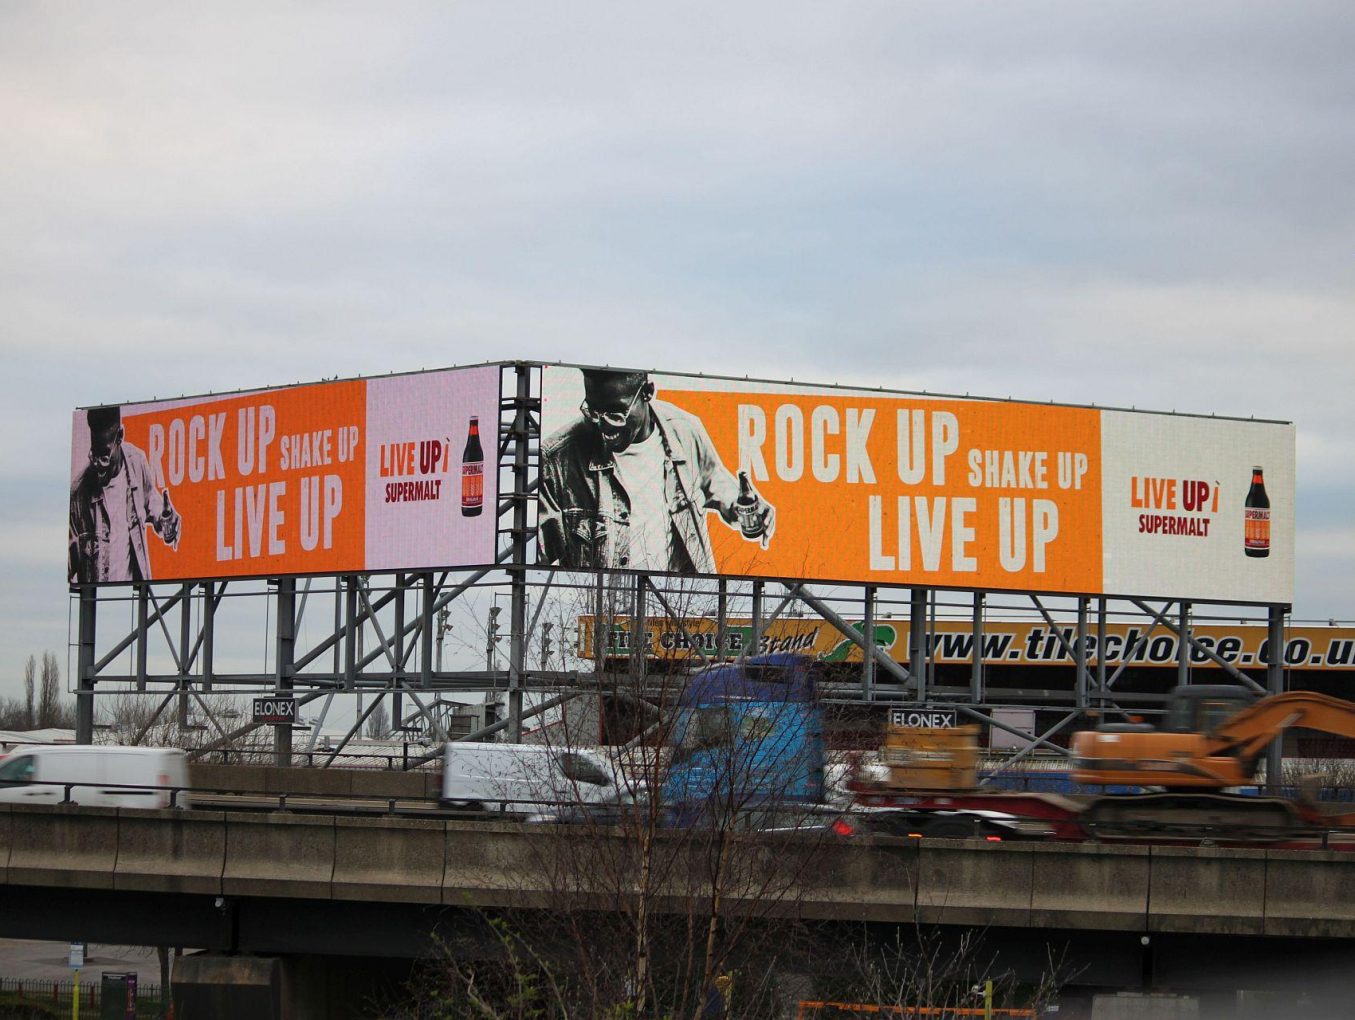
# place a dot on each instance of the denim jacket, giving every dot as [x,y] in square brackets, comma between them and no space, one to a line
[585,511]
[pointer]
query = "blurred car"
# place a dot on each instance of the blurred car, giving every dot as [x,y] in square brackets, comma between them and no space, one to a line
[994,826]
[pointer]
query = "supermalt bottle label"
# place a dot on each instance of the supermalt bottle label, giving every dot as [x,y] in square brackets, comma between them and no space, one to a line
[1256,533]
[472,486]
[472,472]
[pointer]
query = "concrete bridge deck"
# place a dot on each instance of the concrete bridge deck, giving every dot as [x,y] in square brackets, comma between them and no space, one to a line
[342,859]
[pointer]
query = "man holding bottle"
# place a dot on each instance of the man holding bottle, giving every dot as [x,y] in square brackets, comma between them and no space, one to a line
[113,501]
[628,484]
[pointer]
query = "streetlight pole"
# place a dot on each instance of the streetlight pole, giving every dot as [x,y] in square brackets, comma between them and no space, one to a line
[443,628]
[491,639]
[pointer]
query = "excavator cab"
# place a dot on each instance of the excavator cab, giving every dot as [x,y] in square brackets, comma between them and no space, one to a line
[1203,708]
[1178,754]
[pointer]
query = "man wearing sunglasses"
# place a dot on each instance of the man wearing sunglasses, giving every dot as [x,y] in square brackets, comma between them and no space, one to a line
[113,500]
[629,483]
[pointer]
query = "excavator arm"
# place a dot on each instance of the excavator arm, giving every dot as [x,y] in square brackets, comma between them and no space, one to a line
[1246,733]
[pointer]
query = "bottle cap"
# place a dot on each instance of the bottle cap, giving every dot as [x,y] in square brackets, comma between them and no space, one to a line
[1256,468]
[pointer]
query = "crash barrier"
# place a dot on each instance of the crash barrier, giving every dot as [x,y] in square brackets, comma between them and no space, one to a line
[324,782]
[408,758]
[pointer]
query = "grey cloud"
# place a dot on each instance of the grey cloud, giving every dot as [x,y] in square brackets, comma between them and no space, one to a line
[1119,203]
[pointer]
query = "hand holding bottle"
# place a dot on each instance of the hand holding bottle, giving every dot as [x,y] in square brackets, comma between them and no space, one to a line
[168,525]
[757,517]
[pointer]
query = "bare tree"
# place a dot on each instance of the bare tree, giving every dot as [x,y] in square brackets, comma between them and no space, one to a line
[378,723]
[12,715]
[650,910]
[49,696]
[153,720]
[919,966]
[30,676]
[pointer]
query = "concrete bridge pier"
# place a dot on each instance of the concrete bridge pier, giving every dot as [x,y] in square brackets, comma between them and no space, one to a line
[220,986]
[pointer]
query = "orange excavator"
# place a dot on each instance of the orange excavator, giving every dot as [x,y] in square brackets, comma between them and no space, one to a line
[1212,737]
[1173,782]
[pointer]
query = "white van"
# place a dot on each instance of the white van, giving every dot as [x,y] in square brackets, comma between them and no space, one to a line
[125,777]
[525,778]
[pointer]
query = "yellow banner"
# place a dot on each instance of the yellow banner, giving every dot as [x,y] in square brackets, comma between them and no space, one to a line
[1005,643]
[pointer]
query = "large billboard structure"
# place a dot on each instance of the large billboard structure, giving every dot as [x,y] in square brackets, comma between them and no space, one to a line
[392,499]
[761,479]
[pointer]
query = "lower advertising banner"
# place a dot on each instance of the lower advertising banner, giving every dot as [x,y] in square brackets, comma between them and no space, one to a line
[1005,643]
[356,475]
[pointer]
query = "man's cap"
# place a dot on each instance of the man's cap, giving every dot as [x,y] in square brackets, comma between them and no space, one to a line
[101,418]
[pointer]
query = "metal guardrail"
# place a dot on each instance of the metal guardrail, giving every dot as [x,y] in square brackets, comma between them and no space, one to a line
[1316,835]
[491,808]
[408,760]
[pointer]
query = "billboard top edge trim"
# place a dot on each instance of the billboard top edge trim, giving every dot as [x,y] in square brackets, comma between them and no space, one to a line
[884,391]
[694,375]
[215,394]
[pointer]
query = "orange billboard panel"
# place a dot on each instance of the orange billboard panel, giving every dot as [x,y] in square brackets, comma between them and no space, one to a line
[879,489]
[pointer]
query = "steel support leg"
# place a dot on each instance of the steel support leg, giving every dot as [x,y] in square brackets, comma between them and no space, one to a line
[722,621]
[143,600]
[639,633]
[977,693]
[517,647]
[1275,685]
[402,650]
[1183,644]
[755,646]
[868,660]
[284,656]
[1081,649]
[1101,651]
[208,634]
[917,641]
[84,692]
[426,634]
[350,631]
[185,659]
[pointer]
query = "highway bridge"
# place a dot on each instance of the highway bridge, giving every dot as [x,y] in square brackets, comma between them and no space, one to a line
[343,885]
[350,859]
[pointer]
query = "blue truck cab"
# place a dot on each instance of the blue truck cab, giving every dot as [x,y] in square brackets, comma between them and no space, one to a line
[747,733]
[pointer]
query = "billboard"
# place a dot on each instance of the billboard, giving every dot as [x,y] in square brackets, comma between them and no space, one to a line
[1005,642]
[334,477]
[708,476]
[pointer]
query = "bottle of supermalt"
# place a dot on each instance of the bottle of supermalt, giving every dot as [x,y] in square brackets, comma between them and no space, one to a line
[747,506]
[1256,517]
[473,472]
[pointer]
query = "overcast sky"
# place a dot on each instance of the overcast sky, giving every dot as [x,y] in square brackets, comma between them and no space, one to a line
[1144,204]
